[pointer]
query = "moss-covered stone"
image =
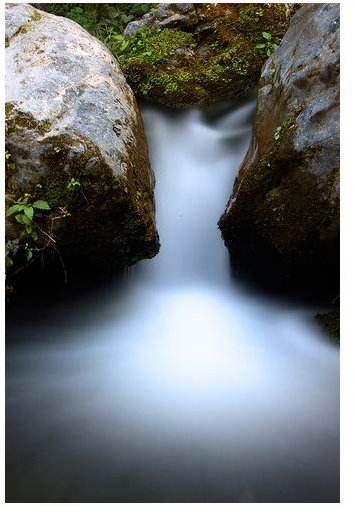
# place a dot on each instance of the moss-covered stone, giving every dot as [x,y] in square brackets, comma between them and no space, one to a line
[282,219]
[213,60]
[61,133]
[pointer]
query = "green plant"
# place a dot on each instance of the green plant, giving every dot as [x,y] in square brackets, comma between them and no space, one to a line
[25,212]
[103,20]
[249,14]
[268,47]
[277,133]
[36,218]
[73,184]
[151,46]
[10,165]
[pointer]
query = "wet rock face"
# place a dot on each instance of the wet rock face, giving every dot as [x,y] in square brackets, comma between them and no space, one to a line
[284,209]
[71,116]
[188,54]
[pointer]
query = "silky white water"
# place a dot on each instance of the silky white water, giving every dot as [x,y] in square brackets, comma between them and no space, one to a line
[182,385]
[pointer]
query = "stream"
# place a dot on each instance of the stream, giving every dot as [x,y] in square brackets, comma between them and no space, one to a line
[178,384]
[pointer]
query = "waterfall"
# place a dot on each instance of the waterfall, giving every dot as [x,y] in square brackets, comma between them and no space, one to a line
[182,386]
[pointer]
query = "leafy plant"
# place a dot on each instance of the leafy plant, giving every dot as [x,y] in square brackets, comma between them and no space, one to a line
[268,47]
[10,165]
[73,184]
[277,133]
[102,20]
[24,211]
[151,46]
[36,218]
[251,13]
[259,13]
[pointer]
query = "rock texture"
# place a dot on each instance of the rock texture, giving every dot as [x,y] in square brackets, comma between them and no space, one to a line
[71,116]
[186,54]
[283,214]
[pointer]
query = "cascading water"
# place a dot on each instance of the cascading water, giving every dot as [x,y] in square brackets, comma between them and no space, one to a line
[182,386]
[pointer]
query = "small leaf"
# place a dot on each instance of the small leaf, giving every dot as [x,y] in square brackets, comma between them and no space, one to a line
[29,230]
[260,45]
[41,204]
[14,208]
[126,18]
[29,255]
[23,219]
[267,36]
[34,235]
[29,212]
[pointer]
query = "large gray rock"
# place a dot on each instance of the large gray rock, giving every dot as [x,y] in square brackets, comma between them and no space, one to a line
[285,201]
[70,114]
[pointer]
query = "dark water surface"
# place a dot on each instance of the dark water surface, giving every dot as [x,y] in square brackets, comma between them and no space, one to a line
[176,384]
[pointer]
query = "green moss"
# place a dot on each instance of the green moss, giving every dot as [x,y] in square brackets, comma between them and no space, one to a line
[273,194]
[105,221]
[311,152]
[154,46]
[180,68]
[251,14]
[44,127]
[25,120]
[9,107]
[24,28]
[35,16]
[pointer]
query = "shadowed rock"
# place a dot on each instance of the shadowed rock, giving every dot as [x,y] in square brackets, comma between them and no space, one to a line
[283,215]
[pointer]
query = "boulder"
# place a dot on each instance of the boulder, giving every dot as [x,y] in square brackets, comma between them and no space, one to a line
[75,140]
[283,215]
[188,54]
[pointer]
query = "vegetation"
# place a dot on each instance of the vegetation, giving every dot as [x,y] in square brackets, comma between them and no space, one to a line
[104,21]
[34,220]
[179,66]
[269,45]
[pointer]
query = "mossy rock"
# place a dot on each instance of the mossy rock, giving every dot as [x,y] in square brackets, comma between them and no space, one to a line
[62,128]
[282,218]
[201,54]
